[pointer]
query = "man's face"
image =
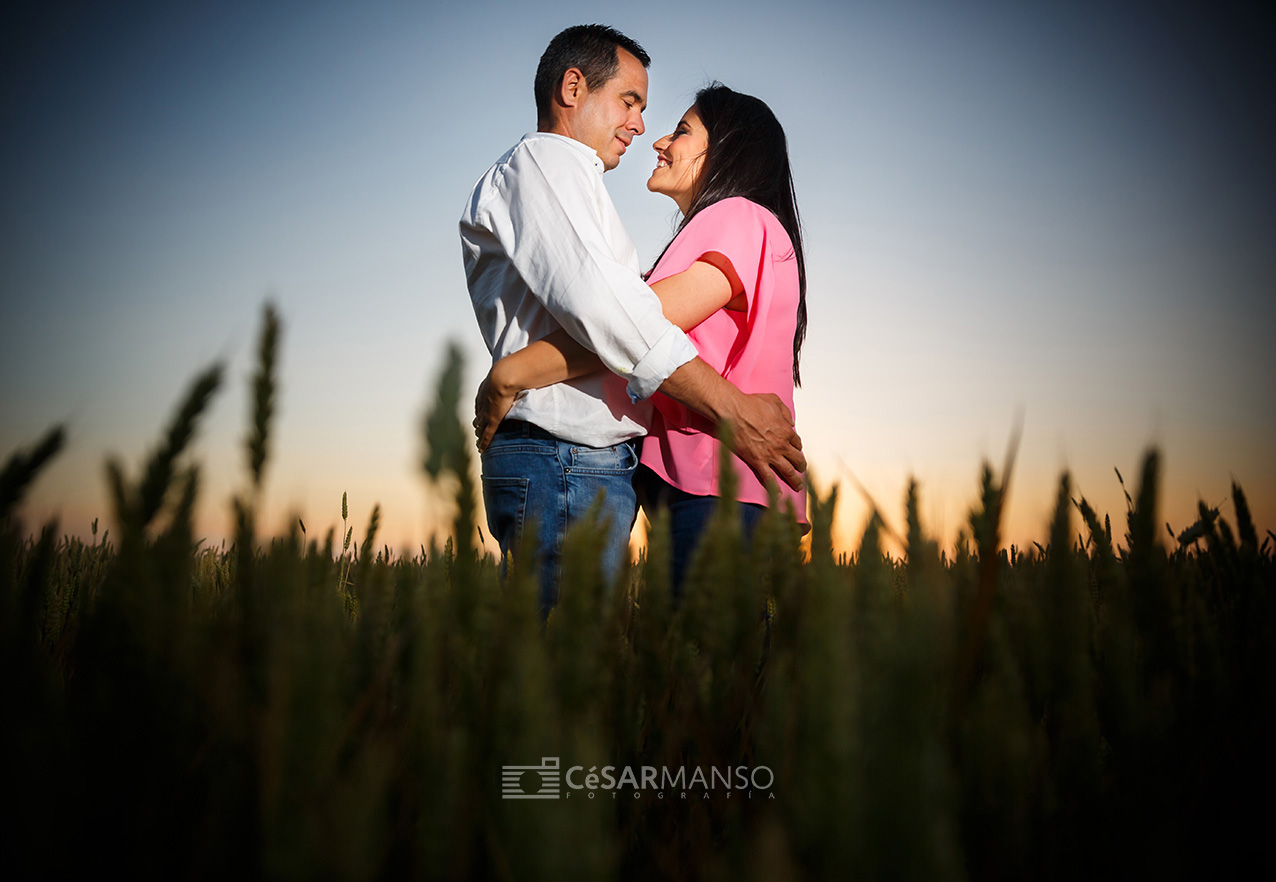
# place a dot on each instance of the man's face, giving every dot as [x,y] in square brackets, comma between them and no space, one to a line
[610,117]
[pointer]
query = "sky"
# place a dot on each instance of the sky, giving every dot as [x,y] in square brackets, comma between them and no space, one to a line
[1050,221]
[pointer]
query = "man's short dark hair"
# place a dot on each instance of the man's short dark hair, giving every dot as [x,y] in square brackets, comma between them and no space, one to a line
[592,49]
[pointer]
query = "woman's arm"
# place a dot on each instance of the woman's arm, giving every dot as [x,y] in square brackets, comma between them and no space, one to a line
[687,299]
[699,291]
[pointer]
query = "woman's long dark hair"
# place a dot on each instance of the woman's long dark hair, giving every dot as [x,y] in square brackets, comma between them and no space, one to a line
[748,156]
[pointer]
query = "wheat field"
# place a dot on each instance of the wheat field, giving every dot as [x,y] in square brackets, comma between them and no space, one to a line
[313,708]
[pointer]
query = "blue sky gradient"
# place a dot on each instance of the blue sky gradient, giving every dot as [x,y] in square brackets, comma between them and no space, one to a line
[1063,213]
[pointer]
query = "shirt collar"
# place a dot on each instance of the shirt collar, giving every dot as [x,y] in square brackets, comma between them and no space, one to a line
[584,149]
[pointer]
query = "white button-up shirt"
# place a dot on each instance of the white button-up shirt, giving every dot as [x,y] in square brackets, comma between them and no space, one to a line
[544,248]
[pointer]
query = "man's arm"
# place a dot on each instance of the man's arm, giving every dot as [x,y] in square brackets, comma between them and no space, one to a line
[548,219]
[762,432]
[686,298]
[761,425]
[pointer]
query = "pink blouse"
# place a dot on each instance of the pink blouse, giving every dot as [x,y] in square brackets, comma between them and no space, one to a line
[753,347]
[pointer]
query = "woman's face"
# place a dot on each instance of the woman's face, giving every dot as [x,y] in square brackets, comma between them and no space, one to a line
[679,159]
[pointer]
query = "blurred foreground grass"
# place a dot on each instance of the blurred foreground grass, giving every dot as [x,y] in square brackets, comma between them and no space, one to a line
[289,708]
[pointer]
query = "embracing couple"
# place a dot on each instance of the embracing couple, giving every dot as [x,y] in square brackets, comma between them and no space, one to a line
[607,385]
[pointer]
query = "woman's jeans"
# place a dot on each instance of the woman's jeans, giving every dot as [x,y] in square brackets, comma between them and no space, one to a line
[688,517]
[530,476]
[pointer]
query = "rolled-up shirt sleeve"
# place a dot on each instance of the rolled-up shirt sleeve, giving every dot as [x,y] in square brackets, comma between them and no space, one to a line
[548,222]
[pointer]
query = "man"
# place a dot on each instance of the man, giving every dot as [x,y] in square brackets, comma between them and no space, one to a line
[544,249]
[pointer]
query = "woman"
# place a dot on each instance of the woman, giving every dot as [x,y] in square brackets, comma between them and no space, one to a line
[734,278]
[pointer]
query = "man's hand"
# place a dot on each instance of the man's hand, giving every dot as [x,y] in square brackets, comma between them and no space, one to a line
[761,424]
[763,436]
[493,401]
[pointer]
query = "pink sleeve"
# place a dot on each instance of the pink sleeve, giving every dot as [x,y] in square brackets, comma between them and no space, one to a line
[736,229]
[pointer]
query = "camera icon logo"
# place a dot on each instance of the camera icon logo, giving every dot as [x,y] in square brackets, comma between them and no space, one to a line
[532,782]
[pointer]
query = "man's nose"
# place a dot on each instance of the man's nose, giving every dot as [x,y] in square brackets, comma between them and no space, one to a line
[636,125]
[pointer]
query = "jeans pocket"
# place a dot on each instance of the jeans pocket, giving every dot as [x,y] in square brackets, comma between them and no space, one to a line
[506,502]
[617,459]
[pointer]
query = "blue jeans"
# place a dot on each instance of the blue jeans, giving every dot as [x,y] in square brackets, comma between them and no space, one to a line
[531,476]
[688,517]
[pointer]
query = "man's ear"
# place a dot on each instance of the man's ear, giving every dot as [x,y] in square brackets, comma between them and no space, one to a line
[572,87]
